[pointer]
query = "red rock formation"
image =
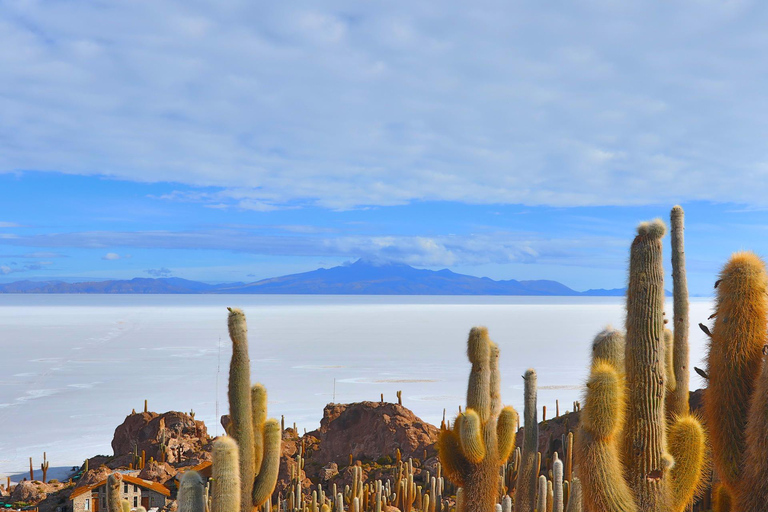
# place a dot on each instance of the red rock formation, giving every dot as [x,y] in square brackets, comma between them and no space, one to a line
[369,431]
[143,430]
[159,472]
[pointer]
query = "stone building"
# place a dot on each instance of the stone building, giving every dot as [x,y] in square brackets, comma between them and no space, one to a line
[138,492]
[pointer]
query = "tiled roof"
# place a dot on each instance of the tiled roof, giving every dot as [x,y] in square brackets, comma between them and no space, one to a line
[154,486]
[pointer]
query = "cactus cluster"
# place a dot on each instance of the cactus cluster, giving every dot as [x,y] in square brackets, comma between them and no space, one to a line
[633,454]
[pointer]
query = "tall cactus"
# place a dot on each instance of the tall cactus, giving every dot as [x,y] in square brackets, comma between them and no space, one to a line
[623,451]
[258,439]
[735,355]
[482,437]
[645,428]
[528,474]
[736,402]
[677,398]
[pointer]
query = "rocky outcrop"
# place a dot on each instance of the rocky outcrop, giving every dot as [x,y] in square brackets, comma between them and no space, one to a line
[184,436]
[159,472]
[370,431]
[95,475]
[29,492]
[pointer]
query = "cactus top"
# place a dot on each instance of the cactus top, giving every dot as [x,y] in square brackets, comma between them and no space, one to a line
[238,329]
[478,348]
[652,229]
[608,346]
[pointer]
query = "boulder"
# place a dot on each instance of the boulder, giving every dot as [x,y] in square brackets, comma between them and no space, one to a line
[28,492]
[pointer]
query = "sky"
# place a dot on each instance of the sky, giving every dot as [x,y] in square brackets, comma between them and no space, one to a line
[232,141]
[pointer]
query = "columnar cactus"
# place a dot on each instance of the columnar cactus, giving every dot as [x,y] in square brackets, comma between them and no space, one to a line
[677,397]
[623,451]
[114,481]
[736,401]
[644,442]
[482,437]
[258,438]
[528,474]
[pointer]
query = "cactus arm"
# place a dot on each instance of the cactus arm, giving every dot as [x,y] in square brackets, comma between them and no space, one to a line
[259,416]
[669,364]
[225,473]
[686,443]
[453,461]
[597,450]
[471,437]
[479,387]
[505,432]
[265,483]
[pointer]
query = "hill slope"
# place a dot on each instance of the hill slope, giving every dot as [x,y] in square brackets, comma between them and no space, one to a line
[359,278]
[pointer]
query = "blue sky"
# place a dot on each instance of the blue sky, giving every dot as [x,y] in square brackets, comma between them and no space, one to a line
[231,141]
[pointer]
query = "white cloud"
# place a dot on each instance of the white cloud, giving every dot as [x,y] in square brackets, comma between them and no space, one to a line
[14,267]
[111,256]
[9,225]
[386,103]
[439,250]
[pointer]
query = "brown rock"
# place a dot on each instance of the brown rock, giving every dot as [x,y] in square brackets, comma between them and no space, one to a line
[94,475]
[329,471]
[144,432]
[159,472]
[369,431]
[28,492]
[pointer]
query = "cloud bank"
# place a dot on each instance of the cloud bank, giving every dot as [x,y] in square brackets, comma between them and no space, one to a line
[354,104]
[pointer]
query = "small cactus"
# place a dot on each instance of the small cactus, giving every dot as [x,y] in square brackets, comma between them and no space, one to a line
[191,496]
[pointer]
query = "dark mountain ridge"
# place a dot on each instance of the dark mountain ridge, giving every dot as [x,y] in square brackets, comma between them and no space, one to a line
[358,278]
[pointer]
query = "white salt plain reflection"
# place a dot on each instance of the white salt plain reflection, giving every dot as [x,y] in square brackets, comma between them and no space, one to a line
[73,366]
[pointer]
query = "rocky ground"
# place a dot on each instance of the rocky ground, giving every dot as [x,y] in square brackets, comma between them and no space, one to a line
[369,432]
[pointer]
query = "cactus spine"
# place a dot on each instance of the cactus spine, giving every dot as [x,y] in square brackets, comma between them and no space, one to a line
[735,355]
[225,473]
[527,476]
[677,400]
[481,438]
[258,439]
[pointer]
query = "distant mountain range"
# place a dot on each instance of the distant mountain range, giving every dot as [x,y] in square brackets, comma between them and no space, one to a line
[359,278]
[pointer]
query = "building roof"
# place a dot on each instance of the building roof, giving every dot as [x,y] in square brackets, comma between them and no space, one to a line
[154,486]
[204,468]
